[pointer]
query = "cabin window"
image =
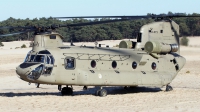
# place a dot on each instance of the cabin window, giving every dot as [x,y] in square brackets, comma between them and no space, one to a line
[134,65]
[114,64]
[69,63]
[153,65]
[93,63]
[52,36]
[139,38]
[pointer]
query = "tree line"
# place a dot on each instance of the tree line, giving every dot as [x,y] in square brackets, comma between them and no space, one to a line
[189,26]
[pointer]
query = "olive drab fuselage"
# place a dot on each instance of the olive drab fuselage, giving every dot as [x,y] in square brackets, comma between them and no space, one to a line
[154,60]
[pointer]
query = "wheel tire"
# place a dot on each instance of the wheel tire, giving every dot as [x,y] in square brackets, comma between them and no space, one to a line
[102,93]
[69,91]
[64,91]
[97,92]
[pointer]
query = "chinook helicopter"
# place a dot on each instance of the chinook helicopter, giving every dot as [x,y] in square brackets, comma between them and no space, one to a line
[153,60]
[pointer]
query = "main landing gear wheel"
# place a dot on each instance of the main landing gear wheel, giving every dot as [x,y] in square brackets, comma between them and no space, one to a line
[101,93]
[169,88]
[67,91]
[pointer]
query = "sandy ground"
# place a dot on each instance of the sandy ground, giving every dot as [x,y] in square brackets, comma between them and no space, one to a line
[17,95]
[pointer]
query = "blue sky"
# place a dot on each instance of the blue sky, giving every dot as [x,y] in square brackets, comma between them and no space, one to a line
[45,8]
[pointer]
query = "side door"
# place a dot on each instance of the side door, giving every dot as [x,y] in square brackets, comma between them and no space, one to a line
[70,66]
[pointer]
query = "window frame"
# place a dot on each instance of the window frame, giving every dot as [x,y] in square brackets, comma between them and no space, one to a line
[66,63]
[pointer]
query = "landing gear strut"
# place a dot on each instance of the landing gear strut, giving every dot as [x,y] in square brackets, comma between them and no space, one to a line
[67,91]
[101,92]
[85,87]
[37,85]
[169,88]
[59,87]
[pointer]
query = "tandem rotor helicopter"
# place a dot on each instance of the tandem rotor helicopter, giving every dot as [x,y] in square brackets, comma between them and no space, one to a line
[152,61]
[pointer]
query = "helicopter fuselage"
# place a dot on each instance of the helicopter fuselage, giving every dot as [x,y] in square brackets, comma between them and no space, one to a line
[153,61]
[93,66]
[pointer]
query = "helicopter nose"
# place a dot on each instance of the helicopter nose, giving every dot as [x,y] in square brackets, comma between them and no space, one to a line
[24,69]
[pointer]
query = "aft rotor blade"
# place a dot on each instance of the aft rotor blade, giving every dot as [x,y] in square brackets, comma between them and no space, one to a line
[134,17]
[121,17]
[185,16]
[93,23]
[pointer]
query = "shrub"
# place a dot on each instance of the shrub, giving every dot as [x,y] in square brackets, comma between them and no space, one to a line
[184,41]
[188,72]
[1,44]
[23,46]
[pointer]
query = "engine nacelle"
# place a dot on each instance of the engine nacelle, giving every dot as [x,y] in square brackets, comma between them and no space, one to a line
[126,44]
[157,47]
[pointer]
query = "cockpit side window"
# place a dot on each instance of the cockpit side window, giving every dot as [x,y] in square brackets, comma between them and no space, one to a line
[69,63]
[27,57]
[49,64]
[50,60]
[31,58]
[40,58]
[43,56]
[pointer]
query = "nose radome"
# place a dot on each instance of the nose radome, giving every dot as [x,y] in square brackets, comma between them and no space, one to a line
[21,71]
[25,68]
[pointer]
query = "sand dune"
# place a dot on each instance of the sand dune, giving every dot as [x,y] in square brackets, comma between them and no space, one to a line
[17,95]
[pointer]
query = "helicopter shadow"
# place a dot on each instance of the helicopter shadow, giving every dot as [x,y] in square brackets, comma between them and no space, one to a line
[89,91]
[118,90]
[12,94]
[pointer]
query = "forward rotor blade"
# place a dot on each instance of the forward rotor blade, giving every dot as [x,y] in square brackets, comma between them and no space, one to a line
[5,35]
[10,34]
[11,27]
